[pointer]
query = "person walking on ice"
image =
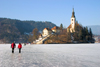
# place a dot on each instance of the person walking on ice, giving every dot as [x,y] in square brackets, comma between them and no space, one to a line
[13,46]
[19,46]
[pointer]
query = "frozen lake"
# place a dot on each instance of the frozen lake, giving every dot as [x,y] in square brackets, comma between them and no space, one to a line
[54,55]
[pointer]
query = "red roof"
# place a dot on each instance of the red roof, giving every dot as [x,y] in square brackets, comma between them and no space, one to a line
[48,29]
[55,27]
[69,26]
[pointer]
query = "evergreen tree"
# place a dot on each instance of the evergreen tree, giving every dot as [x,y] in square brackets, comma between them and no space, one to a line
[87,32]
[91,36]
[61,26]
[90,32]
[81,35]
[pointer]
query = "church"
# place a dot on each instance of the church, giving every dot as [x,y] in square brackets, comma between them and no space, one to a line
[71,27]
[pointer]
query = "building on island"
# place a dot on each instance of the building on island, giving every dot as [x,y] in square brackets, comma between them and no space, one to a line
[46,31]
[55,29]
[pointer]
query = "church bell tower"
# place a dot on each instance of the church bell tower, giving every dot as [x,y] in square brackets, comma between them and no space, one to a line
[73,20]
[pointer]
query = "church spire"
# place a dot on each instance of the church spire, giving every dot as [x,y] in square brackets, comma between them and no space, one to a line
[73,14]
[73,9]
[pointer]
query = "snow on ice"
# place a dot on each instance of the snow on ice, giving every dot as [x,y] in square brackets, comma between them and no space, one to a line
[51,55]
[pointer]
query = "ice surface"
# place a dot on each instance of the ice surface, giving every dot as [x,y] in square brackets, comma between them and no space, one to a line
[51,55]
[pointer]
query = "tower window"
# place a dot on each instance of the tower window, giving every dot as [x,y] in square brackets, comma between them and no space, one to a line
[72,19]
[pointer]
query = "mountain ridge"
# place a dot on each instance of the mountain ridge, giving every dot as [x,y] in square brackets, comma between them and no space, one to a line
[26,24]
[95,29]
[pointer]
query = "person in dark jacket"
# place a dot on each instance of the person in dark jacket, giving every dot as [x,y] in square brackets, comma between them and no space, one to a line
[19,46]
[13,46]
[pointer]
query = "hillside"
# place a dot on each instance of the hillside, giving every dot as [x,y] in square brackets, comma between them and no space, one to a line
[12,29]
[95,29]
[22,26]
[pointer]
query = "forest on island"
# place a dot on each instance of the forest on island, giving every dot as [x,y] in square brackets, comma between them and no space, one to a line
[81,35]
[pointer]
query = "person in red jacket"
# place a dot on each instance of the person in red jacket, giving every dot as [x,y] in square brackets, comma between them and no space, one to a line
[19,46]
[13,46]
